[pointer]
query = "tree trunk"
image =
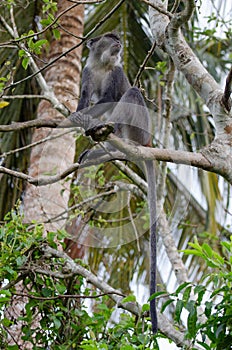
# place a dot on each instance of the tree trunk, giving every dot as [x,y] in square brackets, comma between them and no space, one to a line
[42,203]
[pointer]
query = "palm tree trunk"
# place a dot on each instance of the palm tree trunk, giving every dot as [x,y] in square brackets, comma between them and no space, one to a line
[42,203]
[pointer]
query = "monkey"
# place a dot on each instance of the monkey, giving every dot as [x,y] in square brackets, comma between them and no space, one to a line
[105,83]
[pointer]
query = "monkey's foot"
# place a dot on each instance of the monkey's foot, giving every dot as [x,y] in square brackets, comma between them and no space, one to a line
[100,132]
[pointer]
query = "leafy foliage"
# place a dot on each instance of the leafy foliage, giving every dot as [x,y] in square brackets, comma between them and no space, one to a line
[61,304]
[211,300]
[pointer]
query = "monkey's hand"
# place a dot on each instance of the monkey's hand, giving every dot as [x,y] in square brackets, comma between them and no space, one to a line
[100,132]
[80,119]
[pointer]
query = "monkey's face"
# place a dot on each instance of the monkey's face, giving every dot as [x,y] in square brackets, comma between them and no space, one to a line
[106,48]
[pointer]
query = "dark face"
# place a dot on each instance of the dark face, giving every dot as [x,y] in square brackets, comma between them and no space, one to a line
[106,47]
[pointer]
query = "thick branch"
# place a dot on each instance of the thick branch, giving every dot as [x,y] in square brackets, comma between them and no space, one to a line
[158,8]
[207,160]
[182,17]
[37,123]
[172,41]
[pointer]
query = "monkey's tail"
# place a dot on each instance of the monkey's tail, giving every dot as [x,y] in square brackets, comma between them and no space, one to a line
[153,250]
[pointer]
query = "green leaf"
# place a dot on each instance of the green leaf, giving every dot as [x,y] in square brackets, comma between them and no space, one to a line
[25,62]
[179,307]
[168,302]
[56,321]
[192,322]
[46,292]
[207,347]
[129,298]
[155,295]
[6,322]
[145,307]
[40,43]
[5,292]
[207,249]
[21,53]
[191,252]
[208,308]
[200,290]
[187,293]
[61,288]
[226,245]
[56,34]
[182,286]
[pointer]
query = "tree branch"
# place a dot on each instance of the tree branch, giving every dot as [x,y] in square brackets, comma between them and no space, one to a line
[208,159]
[143,65]
[37,123]
[182,17]
[47,91]
[160,9]
[171,40]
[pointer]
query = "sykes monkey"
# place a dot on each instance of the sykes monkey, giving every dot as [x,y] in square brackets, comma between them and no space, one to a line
[105,83]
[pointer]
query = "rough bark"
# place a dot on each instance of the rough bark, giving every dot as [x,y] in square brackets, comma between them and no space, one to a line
[56,155]
[167,34]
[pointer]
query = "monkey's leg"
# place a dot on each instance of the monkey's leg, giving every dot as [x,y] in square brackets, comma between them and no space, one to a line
[132,117]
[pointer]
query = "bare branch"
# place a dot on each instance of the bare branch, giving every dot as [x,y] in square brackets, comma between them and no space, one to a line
[33,144]
[37,123]
[175,6]
[142,67]
[65,296]
[79,205]
[12,97]
[182,17]
[206,160]
[43,180]
[158,8]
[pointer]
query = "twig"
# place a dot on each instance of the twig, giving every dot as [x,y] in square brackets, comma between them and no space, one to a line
[33,144]
[158,8]
[37,123]
[66,296]
[175,6]
[142,67]
[132,222]
[8,97]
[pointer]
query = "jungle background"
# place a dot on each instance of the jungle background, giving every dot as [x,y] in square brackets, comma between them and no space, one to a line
[75,241]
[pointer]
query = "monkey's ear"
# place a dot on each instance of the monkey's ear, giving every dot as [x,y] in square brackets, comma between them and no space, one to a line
[89,43]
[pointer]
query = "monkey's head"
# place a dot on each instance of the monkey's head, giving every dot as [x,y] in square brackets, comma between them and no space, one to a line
[105,49]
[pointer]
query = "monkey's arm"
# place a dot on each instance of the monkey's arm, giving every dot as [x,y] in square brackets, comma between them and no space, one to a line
[87,89]
[115,85]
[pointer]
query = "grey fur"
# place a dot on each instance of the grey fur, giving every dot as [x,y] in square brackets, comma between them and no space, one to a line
[105,83]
